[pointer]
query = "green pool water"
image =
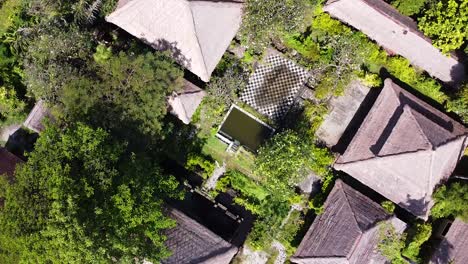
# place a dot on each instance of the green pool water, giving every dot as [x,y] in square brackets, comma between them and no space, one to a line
[242,127]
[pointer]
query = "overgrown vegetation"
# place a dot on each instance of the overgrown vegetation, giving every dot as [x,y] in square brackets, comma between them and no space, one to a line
[445,23]
[264,19]
[451,201]
[93,201]
[400,248]
[336,54]
[409,7]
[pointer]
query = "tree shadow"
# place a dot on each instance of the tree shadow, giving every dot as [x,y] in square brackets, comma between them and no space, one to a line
[21,142]
[417,207]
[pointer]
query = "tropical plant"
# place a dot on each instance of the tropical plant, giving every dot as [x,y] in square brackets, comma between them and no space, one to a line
[451,201]
[82,198]
[445,23]
[409,7]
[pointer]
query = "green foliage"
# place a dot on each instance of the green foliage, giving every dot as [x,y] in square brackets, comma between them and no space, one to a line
[422,234]
[102,53]
[10,14]
[370,79]
[391,244]
[286,158]
[200,164]
[409,7]
[445,23]
[311,119]
[388,206]
[11,108]
[108,6]
[81,198]
[337,54]
[459,104]
[451,201]
[401,68]
[263,19]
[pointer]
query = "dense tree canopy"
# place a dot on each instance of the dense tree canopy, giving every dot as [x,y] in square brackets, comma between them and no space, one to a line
[266,18]
[287,159]
[445,23]
[81,198]
[409,7]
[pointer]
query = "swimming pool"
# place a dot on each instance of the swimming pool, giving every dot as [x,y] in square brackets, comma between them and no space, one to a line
[245,128]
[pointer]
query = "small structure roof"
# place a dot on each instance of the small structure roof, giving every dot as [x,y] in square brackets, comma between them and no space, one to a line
[190,242]
[404,148]
[347,231]
[454,247]
[8,162]
[342,110]
[397,33]
[197,32]
[185,102]
[36,117]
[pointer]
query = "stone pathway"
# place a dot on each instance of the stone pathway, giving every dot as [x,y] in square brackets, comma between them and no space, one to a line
[217,173]
[281,258]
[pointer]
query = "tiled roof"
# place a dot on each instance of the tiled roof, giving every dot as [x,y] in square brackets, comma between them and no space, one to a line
[454,247]
[404,148]
[347,230]
[196,32]
[190,242]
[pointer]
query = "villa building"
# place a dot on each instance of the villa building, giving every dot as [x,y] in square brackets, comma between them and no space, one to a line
[197,33]
[404,148]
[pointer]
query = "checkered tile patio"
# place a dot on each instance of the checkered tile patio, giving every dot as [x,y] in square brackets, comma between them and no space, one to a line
[274,86]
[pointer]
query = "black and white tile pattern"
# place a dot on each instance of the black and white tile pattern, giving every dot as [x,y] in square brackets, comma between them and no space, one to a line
[273,86]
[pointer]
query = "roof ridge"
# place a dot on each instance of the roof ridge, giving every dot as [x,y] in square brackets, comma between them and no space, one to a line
[385,156]
[342,185]
[198,41]
[418,125]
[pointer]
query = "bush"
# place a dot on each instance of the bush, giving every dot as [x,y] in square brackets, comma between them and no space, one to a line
[388,206]
[200,164]
[409,7]
[422,234]
[11,108]
[264,18]
[451,201]
[391,244]
[445,23]
[459,104]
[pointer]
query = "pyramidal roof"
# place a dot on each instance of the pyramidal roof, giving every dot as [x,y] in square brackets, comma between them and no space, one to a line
[197,32]
[404,148]
[346,231]
[185,102]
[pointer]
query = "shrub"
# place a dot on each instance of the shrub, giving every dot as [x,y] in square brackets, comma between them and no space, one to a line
[459,104]
[422,234]
[391,244]
[452,201]
[11,108]
[200,164]
[409,7]
[264,18]
[388,206]
[445,23]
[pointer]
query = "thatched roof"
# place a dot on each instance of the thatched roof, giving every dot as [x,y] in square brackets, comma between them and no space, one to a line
[347,231]
[196,32]
[454,247]
[190,242]
[36,117]
[185,102]
[404,148]
[397,33]
[8,162]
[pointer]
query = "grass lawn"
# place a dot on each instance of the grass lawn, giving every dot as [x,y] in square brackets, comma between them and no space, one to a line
[242,160]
